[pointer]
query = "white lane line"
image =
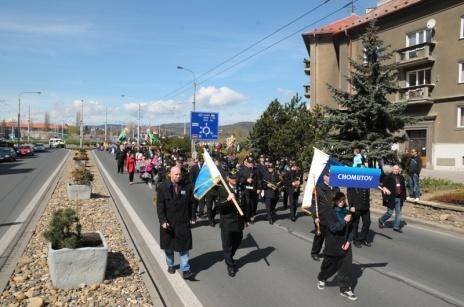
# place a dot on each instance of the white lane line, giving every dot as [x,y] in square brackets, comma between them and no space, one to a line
[12,231]
[184,292]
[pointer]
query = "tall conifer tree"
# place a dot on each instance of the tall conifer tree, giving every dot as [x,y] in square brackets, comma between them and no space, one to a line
[366,118]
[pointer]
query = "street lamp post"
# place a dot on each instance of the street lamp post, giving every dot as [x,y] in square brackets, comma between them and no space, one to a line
[81,134]
[19,112]
[194,154]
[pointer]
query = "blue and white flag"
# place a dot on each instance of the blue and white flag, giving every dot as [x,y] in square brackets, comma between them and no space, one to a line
[208,177]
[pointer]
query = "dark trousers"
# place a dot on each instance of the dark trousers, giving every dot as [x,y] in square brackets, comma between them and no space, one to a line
[340,265]
[121,166]
[285,198]
[131,177]
[318,240]
[210,201]
[200,205]
[365,216]
[293,203]
[270,206]
[230,242]
[250,201]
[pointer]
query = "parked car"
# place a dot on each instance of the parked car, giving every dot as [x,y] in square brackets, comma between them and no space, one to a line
[39,147]
[7,154]
[26,150]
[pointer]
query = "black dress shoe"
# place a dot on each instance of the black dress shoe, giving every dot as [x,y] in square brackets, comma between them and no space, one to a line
[293,219]
[364,242]
[231,271]
[397,230]
[315,257]
[381,225]
[187,274]
[211,223]
[357,244]
[271,222]
[171,270]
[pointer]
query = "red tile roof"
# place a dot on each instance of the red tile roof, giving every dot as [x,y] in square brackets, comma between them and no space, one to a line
[354,20]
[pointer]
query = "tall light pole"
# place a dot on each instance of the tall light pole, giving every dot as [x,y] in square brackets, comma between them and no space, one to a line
[81,137]
[106,123]
[19,112]
[138,120]
[194,154]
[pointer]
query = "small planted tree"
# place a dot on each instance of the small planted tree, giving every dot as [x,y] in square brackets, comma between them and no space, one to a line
[82,176]
[64,230]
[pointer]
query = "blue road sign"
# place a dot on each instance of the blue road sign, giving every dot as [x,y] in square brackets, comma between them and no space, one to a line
[204,126]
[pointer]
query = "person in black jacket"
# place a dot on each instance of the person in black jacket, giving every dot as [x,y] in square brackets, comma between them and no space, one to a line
[197,204]
[414,167]
[248,181]
[173,205]
[293,182]
[359,198]
[325,194]
[120,158]
[337,252]
[270,185]
[394,195]
[231,222]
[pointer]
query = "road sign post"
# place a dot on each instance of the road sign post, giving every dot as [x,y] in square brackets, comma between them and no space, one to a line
[204,126]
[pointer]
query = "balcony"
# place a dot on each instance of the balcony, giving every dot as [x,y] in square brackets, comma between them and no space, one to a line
[307,67]
[415,55]
[418,94]
[307,91]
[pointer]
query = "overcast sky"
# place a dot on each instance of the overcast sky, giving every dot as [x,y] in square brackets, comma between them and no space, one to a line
[96,51]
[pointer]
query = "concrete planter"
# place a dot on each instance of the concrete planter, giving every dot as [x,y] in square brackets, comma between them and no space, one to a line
[80,163]
[79,191]
[70,268]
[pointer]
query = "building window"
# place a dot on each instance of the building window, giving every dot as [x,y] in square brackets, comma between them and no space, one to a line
[419,77]
[462,27]
[461,72]
[418,37]
[461,117]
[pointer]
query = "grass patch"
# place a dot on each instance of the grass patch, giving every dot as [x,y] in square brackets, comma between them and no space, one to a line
[455,198]
[433,185]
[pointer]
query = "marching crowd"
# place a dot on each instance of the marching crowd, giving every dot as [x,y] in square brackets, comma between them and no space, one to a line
[336,216]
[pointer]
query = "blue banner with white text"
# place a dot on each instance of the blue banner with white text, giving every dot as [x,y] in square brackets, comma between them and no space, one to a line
[354,177]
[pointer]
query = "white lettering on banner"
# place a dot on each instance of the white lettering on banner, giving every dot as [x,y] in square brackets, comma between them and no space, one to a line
[355,177]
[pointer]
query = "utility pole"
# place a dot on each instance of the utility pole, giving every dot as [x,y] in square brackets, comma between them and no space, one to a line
[29,125]
[106,122]
[81,138]
[138,128]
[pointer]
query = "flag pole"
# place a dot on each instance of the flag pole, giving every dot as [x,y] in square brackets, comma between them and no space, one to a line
[224,183]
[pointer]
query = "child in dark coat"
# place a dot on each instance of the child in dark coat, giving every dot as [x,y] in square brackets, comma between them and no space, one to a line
[337,252]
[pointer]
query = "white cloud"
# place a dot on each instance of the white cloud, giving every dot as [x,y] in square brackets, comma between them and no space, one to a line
[285,92]
[51,29]
[216,97]
[160,107]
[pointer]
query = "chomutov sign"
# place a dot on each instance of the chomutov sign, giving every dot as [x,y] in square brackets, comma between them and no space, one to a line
[354,177]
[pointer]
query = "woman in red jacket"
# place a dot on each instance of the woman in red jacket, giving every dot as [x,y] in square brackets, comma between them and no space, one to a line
[130,165]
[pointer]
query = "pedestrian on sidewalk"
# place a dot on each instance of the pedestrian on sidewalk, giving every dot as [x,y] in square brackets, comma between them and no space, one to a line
[338,257]
[174,208]
[394,195]
[130,166]
[414,167]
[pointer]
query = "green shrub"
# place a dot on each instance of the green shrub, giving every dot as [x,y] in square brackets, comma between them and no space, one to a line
[64,230]
[82,176]
[434,184]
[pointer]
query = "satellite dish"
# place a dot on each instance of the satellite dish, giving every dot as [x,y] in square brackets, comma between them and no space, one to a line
[431,23]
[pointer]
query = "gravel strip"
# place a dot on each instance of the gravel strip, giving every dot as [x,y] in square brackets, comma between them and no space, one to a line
[30,284]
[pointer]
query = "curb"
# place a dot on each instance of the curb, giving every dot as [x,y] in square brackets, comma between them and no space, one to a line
[428,224]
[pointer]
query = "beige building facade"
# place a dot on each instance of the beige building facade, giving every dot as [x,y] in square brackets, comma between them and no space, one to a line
[428,39]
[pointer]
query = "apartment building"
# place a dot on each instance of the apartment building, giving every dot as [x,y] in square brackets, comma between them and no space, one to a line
[428,39]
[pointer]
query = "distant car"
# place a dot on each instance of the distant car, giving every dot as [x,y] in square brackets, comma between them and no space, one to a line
[26,150]
[7,154]
[39,147]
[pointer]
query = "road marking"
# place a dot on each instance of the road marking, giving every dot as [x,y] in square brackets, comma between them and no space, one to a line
[184,292]
[12,231]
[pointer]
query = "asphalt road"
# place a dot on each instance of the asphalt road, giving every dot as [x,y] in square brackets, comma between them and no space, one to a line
[420,267]
[21,180]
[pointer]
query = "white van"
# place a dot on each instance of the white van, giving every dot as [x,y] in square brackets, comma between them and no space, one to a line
[56,143]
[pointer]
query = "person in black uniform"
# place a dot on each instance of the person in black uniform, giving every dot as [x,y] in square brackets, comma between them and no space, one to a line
[231,222]
[294,180]
[120,158]
[360,199]
[173,205]
[197,204]
[270,185]
[325,194]
[337,251]
[212,195]
[248,181]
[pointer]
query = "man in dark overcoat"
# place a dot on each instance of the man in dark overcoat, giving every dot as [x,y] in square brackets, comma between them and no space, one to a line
[360,199]
[394,195]
[174,207]
[231,222]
